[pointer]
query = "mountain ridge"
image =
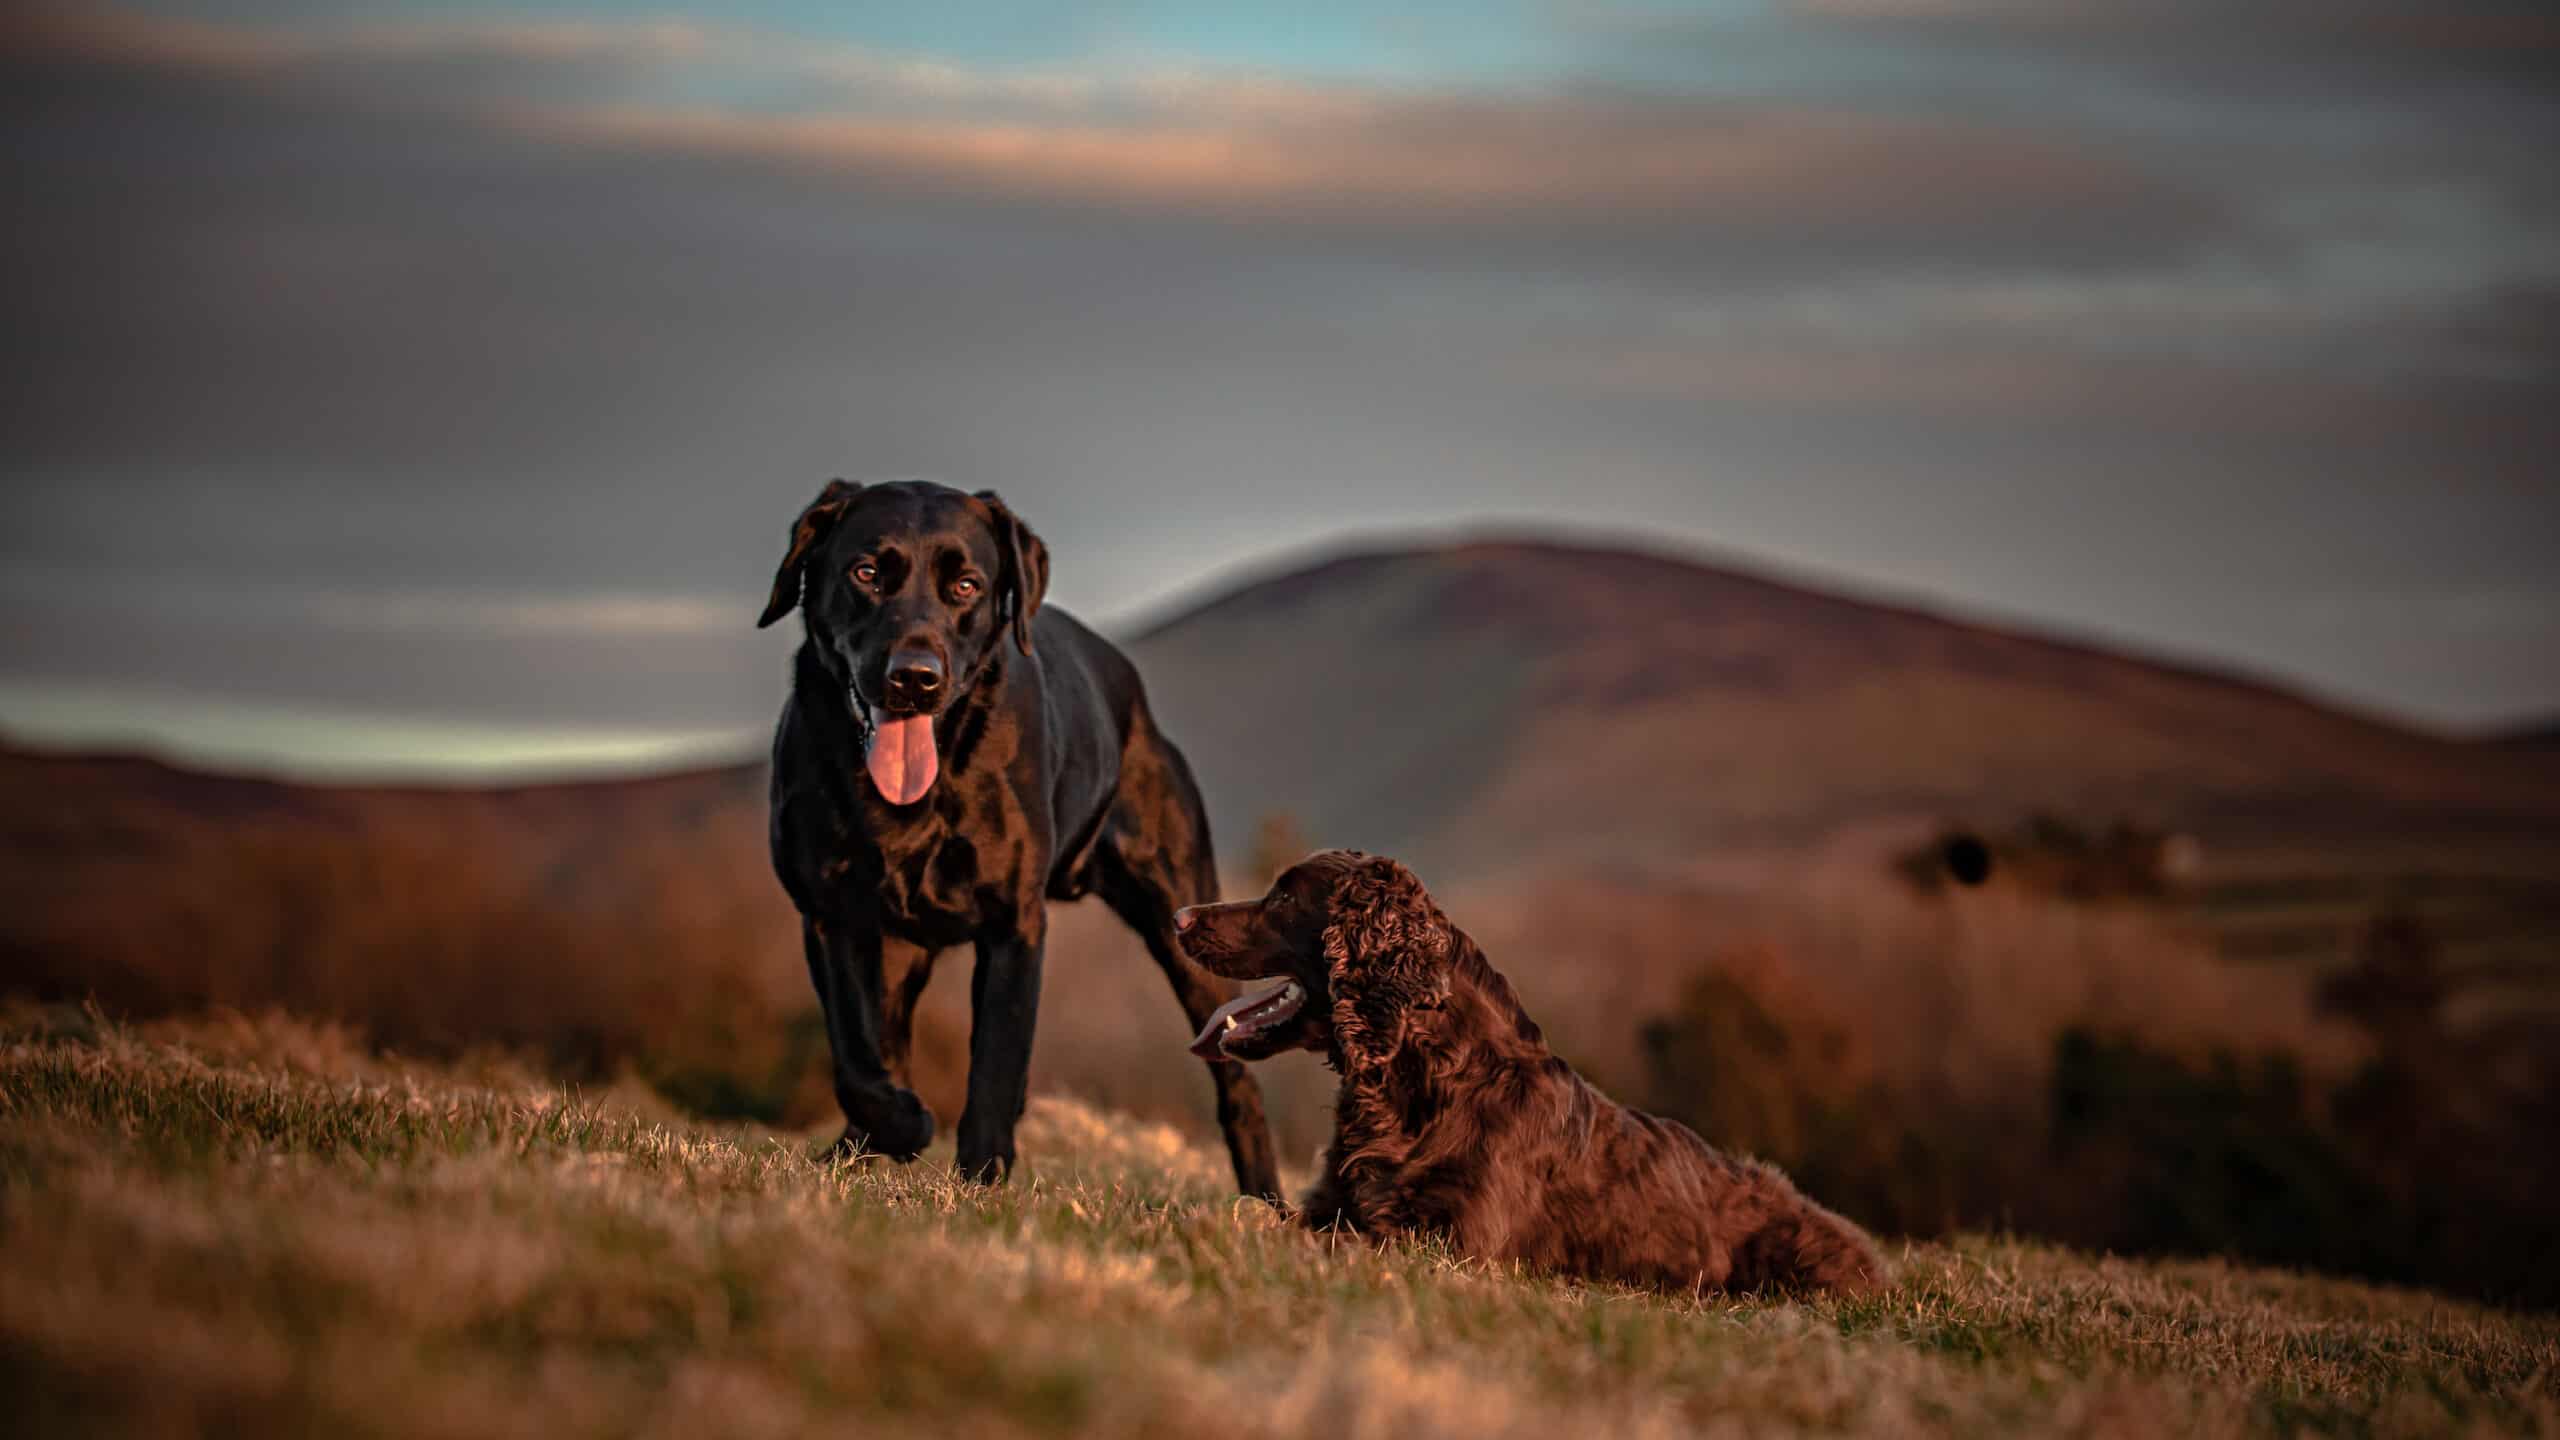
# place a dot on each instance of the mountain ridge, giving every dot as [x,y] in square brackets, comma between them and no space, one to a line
[1292,570]
[1460,701]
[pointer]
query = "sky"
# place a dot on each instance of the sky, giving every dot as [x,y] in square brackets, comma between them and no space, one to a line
[401,387]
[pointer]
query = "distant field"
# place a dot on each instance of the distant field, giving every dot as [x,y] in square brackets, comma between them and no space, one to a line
[2502,923]
[258,1228]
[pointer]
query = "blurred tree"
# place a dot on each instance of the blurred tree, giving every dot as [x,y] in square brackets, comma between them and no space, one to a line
[2395,989]
[1757,1066]
[2222,1157]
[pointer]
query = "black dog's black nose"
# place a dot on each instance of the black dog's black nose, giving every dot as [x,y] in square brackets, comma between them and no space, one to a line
[914,675]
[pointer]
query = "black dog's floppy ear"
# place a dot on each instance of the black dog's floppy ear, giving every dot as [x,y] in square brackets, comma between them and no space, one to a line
[1026,568]
[806,532]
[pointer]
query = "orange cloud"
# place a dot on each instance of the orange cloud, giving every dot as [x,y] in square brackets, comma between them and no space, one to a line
[1413,158]
[1210,142]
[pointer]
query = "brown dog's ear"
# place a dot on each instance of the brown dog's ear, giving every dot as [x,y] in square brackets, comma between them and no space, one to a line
[806,532]
[1387,950]
[1025,580]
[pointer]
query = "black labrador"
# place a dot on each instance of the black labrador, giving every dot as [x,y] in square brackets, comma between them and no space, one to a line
[953,756]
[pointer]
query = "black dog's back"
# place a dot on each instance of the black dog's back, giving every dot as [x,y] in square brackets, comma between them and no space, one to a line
[1099,731]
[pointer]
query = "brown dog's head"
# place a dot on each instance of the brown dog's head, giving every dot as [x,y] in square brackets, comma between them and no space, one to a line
[1357,947]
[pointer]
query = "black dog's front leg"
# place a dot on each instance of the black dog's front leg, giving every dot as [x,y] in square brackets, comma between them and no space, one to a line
[881,1118]
[1004,1001]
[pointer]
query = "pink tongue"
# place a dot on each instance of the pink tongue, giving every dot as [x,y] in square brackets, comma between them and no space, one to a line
[1210,1043]
[901,758]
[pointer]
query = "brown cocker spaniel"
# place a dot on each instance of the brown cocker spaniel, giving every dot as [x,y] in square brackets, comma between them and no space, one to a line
[1455,1119]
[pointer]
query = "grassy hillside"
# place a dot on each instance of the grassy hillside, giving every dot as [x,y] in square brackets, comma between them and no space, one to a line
[256,1228]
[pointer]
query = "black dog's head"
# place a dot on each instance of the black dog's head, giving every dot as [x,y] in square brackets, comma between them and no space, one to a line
[907,590]
[1357,946]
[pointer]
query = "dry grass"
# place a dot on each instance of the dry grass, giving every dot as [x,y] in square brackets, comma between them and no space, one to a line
[256,1227]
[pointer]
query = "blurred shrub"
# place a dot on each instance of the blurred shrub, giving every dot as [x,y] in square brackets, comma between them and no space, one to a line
[2227,1157]
[1745,1054]
[2398,1169]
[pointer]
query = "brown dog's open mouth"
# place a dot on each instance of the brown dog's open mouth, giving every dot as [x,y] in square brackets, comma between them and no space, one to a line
[1247,1016]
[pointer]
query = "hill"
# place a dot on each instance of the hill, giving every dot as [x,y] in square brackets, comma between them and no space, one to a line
[1481,704]
[2542,737]
[255,1229]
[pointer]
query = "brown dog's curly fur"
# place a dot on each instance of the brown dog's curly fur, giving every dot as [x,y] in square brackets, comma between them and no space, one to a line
[1455,1119]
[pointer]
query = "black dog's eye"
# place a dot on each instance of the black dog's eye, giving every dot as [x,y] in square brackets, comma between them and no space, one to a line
[964,589]
[866,574]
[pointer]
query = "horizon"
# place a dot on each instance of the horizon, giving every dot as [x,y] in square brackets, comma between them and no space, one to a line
[319,743]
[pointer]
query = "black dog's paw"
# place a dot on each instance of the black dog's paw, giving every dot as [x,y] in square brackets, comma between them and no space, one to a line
[986,1150]
[993,1167]
[901,1135]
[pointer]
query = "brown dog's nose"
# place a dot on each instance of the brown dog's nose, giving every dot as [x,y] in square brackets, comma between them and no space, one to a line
[1183,918]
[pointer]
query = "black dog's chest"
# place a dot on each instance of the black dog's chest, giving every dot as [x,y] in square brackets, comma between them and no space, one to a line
[936,887]
[932,880]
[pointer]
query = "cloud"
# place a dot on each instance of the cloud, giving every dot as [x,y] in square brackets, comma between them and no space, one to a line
[629,661]
[2316,80]
[45,31]
[393,609]
[356,744]
[2449,26]
[117,36]
[1187,141]
[2124,400]
[2413,30]
[478,335]
[2420,57]
[1400,162]
[276,275]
